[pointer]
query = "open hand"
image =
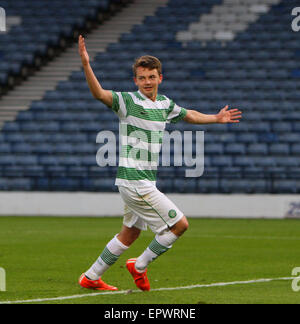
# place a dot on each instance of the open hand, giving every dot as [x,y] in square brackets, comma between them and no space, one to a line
[229,116]
[82,51]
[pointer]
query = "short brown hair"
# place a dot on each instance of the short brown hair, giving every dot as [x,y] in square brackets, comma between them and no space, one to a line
[149,62]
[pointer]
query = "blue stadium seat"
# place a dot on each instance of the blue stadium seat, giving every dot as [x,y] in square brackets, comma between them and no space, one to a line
[187,185]
[69,160]
[43,148]
[235,172]
[258,148]
[278,172]
[247,137]
[64,184]
[22,148]
[48,160]
[11,127]
[243,161]
[25,116]
[207,185]
[285,186]
[77,172]
[165,185]
[235,148]
[25,159]
[288,161]
[242,185]
[4,184]
[19,184]
[104,184]
[5,148]
[64,148]
[266,161]
[221,161]
[214,148]
[282,127]
[254,172]
[7,159]
[279,148]
[34,171]
[295,149]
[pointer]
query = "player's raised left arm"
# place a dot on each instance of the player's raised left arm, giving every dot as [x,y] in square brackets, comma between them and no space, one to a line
[224,116]
[95,87]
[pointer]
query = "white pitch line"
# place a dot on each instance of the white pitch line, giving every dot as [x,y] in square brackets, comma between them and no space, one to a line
[284,238]
[124,292]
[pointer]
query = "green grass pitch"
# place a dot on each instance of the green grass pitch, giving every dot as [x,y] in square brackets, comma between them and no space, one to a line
[44,256]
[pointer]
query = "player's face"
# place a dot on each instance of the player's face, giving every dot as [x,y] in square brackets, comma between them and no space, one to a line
[148,81]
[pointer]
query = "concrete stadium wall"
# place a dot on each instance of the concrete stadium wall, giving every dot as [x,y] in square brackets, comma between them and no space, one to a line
[110,204]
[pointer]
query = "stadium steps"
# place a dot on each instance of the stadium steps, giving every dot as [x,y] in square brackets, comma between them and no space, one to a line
[226,20]
[62,67]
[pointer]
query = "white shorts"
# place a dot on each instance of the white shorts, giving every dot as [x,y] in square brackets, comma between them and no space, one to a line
[153,209]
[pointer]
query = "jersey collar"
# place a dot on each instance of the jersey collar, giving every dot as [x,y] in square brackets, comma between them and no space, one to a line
[145,97]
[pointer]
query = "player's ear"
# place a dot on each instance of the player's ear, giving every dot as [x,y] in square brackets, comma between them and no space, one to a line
[135,80]
[161,78]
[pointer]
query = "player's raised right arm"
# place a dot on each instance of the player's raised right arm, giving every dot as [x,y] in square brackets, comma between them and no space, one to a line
[96,89]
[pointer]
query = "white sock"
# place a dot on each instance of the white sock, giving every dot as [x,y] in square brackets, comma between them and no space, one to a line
[144,259]
[161,244]
[108,257]
[167,238]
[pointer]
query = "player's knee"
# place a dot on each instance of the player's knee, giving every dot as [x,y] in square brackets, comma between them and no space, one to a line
[128,235]
[185,225]
[180,227]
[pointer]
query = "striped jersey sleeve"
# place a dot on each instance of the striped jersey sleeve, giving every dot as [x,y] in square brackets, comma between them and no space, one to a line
[119,104]
[176,113]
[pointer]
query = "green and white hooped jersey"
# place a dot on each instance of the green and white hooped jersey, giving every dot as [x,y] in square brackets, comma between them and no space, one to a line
[142,125]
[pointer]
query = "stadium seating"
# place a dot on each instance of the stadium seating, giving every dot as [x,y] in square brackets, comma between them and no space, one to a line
[52,146]
[43,25]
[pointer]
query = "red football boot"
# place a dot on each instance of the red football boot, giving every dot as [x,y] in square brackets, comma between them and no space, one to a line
[94,284]
[140,279]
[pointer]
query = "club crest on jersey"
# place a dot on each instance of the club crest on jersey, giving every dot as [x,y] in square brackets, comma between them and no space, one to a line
[172,213]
